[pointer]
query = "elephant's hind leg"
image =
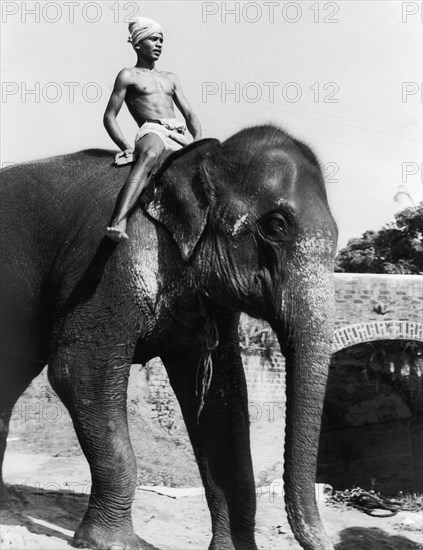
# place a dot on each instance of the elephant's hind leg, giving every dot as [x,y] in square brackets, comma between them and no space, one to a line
[91,379]
[220,437]
[16,375]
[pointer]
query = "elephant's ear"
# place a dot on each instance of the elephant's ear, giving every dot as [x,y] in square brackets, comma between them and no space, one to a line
[180,201]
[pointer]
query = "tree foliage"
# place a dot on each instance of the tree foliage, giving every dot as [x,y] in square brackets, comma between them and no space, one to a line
[396,248]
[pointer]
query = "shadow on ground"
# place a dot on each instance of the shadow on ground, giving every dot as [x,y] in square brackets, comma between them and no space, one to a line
[357,538]
[50,513]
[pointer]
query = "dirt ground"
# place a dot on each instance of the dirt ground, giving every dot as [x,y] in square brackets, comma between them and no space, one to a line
[49,482]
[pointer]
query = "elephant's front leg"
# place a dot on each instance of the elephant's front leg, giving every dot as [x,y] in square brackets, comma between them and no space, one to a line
[220,437]
[91,379]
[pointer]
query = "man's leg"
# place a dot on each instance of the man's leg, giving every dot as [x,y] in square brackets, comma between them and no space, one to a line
[147,150]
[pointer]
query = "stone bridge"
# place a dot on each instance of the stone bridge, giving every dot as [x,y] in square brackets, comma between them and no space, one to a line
[377,307]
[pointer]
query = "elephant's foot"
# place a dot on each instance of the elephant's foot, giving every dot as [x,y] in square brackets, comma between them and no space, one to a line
[218,544]
[88,536]
[228,542]
[244,544]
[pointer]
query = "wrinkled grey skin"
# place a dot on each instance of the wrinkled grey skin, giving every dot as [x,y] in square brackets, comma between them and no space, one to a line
[245,225]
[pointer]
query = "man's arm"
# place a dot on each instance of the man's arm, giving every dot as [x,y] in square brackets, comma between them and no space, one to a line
[113,107]
[191,119]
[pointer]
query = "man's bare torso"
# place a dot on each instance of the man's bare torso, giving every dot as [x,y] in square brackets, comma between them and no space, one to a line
[149,94]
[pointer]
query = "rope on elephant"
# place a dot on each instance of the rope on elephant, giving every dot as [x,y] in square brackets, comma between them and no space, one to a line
[205,365]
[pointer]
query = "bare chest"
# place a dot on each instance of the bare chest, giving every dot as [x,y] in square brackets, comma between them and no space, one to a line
[150,84]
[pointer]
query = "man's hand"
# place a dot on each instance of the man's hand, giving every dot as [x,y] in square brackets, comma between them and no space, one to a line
[125,157]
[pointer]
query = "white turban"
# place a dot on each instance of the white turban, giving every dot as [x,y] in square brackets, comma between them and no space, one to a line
[142,28]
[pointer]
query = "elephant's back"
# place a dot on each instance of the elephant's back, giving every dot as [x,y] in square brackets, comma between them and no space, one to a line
[53,214]
[61,180]
[46,201]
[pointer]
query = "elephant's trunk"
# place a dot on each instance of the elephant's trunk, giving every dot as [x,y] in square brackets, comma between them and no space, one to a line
[306,342]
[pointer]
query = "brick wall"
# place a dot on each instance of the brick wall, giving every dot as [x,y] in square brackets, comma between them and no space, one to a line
[265,381]
[364,297]
[265,377]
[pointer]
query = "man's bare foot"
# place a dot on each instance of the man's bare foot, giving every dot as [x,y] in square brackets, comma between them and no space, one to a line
[116,234]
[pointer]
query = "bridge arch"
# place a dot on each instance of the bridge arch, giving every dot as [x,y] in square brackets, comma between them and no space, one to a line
[351,335]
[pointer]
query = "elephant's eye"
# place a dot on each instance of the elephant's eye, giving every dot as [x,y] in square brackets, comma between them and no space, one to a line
[274,227]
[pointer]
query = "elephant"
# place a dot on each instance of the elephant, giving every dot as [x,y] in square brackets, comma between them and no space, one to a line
[226,227]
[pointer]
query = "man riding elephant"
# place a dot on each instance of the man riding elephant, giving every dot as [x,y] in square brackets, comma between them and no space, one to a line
[149,95]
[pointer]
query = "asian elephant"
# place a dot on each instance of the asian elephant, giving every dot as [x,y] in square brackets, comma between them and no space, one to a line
[242,225]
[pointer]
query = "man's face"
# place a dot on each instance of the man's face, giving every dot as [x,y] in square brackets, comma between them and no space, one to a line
[151,47]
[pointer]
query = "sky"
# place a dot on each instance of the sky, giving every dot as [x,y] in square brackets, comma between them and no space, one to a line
[345,77]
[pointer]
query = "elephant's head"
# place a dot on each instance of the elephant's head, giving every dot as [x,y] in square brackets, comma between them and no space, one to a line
[251,217]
